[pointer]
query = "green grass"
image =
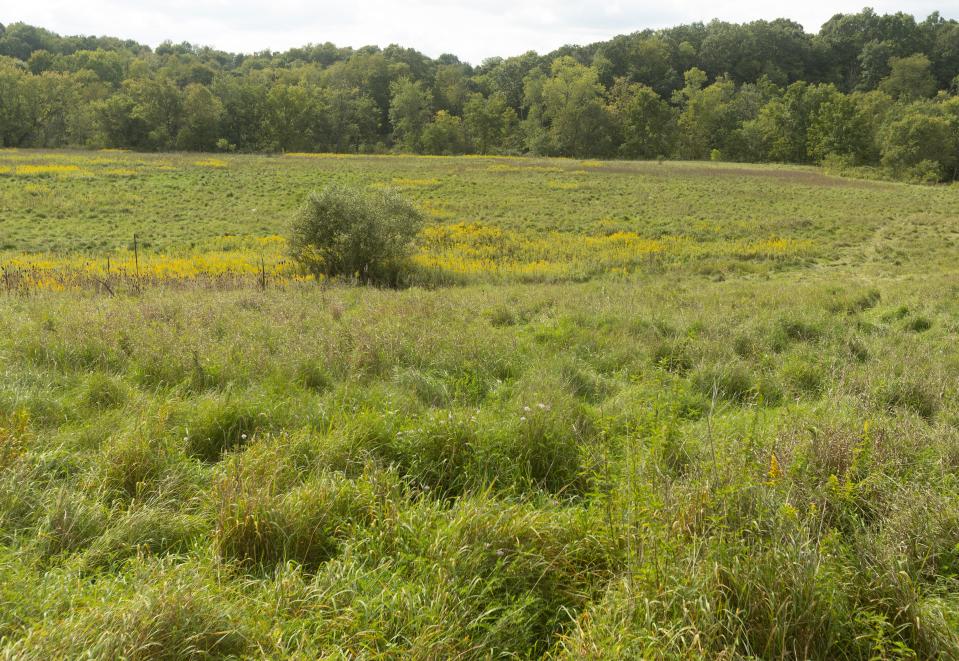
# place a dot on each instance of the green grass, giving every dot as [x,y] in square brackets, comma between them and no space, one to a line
[682,463]
[172,203]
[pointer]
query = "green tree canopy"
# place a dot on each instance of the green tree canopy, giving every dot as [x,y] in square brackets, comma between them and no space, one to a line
[409,112]
[909,78]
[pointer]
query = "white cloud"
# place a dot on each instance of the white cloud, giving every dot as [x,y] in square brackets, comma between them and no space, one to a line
[472,30]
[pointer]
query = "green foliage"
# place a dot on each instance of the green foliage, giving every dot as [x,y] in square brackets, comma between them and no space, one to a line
[646,121]
[909,78]
[446,134]
[786,123]
[921,144]
[344,232]
[490,122]
[202,113]
[409,112]
[874,63]
[706,116]
[576,120]
[839,127]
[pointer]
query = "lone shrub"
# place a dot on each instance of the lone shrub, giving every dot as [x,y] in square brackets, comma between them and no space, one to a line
[347,232]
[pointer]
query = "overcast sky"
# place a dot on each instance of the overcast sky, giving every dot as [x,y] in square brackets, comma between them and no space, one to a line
[472,30]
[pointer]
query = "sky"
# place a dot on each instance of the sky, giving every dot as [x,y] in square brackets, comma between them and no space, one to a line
[471,30]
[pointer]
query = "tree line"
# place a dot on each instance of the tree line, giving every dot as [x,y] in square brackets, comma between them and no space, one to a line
[867,89]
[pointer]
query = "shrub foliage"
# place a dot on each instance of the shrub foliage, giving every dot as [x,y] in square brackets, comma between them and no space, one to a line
[347,232]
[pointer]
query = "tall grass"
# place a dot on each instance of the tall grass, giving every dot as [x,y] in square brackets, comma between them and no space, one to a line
[673,466]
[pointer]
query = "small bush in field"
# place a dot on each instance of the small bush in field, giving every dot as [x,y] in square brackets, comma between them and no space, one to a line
[347,232]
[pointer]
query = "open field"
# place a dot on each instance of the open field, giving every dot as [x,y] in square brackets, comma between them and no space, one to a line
[668,411]
[494,219]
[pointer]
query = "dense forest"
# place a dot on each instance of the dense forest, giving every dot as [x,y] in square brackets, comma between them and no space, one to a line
[867,90]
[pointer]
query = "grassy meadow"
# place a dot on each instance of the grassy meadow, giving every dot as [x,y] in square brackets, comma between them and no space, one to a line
[625,410]
[64,215]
